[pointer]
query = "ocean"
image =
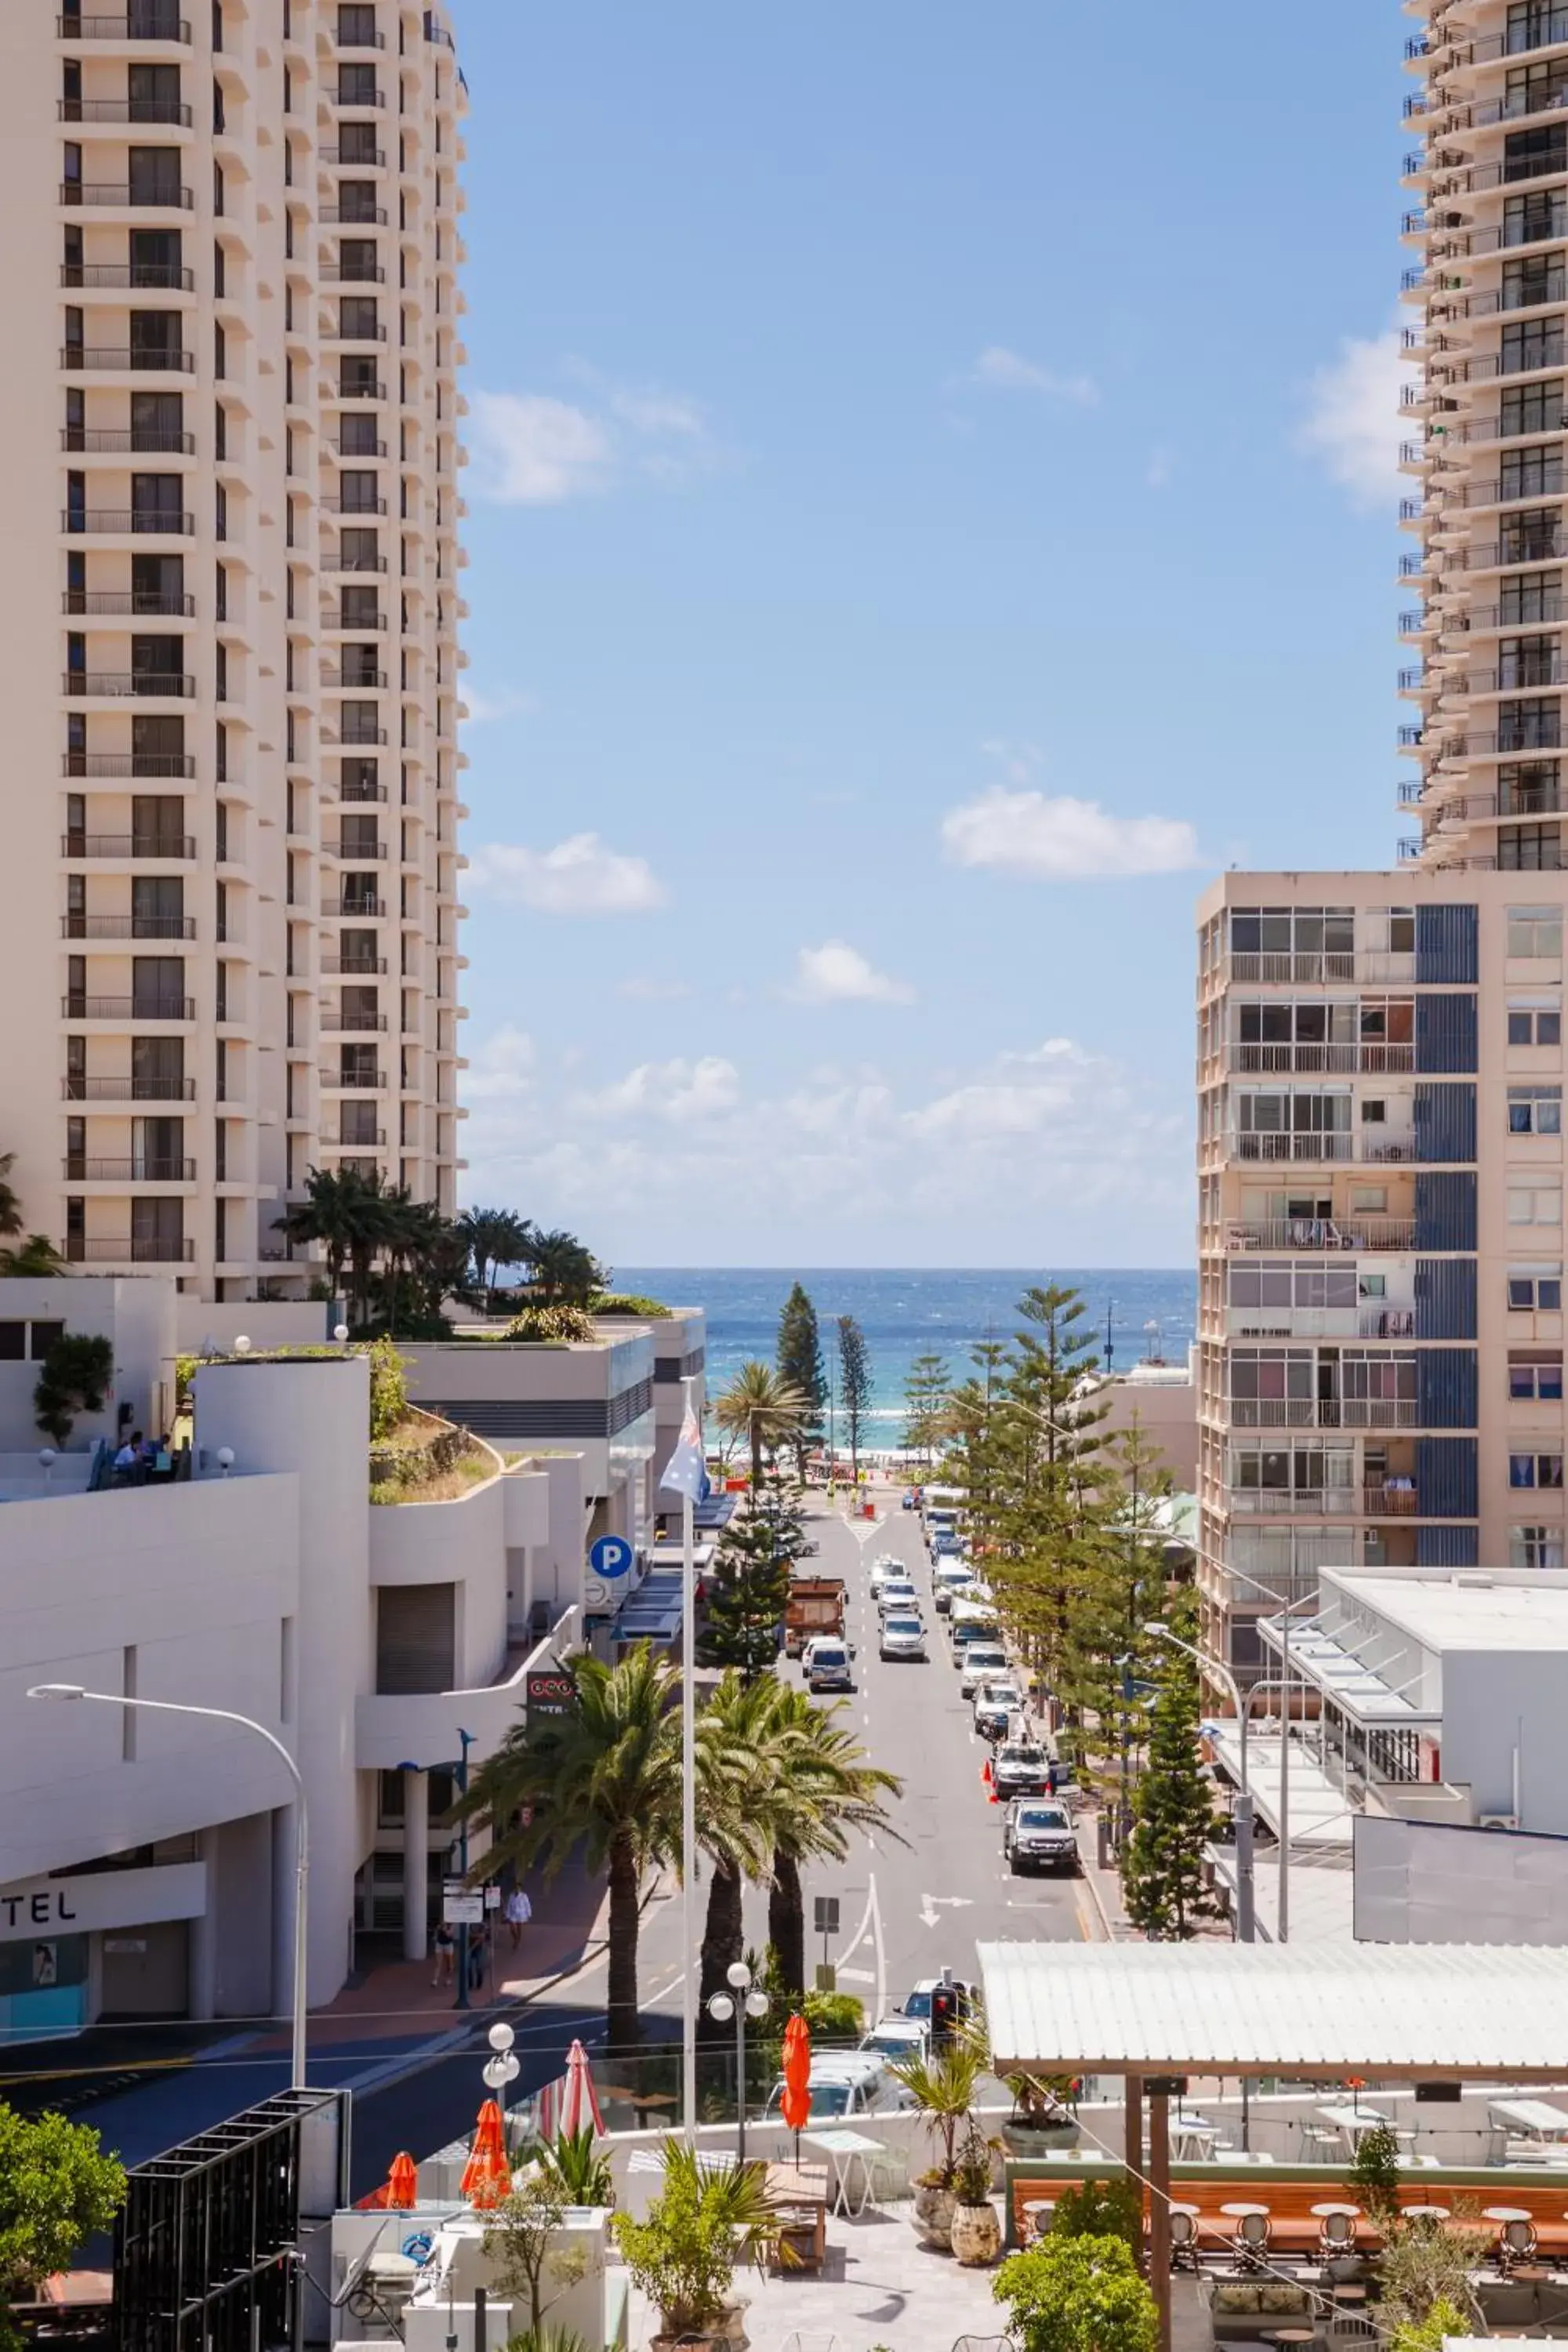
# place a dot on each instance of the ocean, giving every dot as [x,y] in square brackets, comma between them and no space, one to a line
[908,1312]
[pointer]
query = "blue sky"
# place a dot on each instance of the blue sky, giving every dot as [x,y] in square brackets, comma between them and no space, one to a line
[930,504]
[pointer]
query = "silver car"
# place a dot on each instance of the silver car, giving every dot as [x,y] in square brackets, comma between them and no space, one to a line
[1038,1835]
[903,1637]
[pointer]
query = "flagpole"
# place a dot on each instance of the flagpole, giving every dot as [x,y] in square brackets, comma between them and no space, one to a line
[688,1801]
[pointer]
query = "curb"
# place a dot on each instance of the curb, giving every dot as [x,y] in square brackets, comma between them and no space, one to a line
[1091,1880]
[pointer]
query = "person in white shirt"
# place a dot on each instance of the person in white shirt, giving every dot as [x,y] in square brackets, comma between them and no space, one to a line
[519,1911]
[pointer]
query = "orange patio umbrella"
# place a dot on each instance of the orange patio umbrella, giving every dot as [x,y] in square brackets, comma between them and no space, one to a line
[403,2183]
[795,2104]
[487,2175]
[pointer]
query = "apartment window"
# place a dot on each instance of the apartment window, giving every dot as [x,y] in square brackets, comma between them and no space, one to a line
[1531,473]
[1531,408]
[1535,1110]
[1535,931]
[1535,1375]
[1534,1204]
[1535,1547]
[1537,1470]
[1529,849]
[220,511]
[1537,598]
[1529,787]
[1531,1286]
[1529,1024]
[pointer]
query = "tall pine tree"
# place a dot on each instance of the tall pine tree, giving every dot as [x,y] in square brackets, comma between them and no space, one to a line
[800,1363]
[750,1582]
[928,1402]
[1172,1819]
[855,1384]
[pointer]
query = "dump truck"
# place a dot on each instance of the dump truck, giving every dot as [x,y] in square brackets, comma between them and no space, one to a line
[816,1605]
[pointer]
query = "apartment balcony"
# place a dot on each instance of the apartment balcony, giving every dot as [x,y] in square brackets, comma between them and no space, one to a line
[1544,734]
[353,451]
[129,1249]
[353,273]
[1321,1413]
[341,159]
[1313,969]
[114,684]
[1547,610]
[1340,1234]
[1377,1061]
[338,566]
[129,196]
[150,441]
[348,852]
[87,765]
[370,41]
[1320,1323]
[79,1171]
[137,277]
[1522,677]
[333,619]
[164,847]
[344,1025]
[125,522]
[1321,1150]
[1292,1502]
[369,1139]
[354,967]
[355,391]
[354,738]
[128,927]
[1548,31]
[127,1089]
[352,215]
[352,1081]
[351,681]
[172,111]
[1504,554]
[128,1008]
[362,793]
[348,508]
[337,333]
[147,23]
[351,910]
[135,359]
[1391,1501]
[130,603]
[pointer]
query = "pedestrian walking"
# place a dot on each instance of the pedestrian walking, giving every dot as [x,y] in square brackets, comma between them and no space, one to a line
[478,1952]
[519,1911]
[446,1946]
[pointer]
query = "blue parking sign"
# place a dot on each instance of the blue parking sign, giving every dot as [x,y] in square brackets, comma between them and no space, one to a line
[610,1556]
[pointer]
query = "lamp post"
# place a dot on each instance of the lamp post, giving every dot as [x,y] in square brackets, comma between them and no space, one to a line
[1283,1922]
[504,2067]
[301,1829]
[1245,1917]
[746,2001]
[467,1741]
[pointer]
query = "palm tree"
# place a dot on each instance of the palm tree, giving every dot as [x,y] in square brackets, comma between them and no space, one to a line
[35,1256]
[827,1790]
[323,1216]
[10,1198]
[604,1781]
[564,1272]
[743,1764]
[764,1409]
[496,1237]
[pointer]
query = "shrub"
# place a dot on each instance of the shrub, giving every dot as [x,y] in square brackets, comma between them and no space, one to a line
[1077,2294]
[626,1302]
[75,1378]
[1101,2209]
[683,2256]
[1374,2172]
[56,2189]
[388,1389]
[562,1321]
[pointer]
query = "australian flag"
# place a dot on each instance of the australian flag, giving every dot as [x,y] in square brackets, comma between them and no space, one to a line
[686,1472]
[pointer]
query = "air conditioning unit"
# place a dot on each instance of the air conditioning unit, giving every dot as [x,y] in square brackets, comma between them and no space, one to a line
[1499,1820]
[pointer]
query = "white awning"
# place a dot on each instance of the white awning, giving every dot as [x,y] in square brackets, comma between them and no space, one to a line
[1495,2013]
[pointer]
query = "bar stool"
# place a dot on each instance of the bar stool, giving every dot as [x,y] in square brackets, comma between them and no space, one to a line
[1184,2237]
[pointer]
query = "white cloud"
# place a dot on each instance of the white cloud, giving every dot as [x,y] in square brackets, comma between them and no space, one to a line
[676,1090]
[502,1069]
[1060,839]
[644,988]
[509,703]
[999,370]
[1353,422]
[837,973]
[535,450]
[579,876]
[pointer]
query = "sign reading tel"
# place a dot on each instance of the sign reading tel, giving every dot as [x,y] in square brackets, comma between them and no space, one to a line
[611,1556]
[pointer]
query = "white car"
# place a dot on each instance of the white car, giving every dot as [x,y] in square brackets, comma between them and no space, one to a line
[847,2082]
[903,1637]
[828,1663]
[996,1701]
[898,2037]
[889,1565]
[900,1596]
[983,1662]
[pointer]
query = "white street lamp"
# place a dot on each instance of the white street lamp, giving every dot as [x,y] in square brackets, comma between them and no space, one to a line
[504,2068]
[745,2001]
[302,1836]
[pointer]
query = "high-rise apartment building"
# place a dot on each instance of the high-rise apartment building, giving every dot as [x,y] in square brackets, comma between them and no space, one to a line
[228,865]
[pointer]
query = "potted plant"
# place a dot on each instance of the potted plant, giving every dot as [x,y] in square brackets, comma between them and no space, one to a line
[942,2087]
[1077,2294]
[975,2233]
[684,2254]
[1041,2119]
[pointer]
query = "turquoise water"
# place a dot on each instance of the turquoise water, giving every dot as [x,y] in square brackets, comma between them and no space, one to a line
[908,1313]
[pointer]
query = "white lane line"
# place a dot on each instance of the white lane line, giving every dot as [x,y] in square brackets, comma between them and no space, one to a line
[858,1938]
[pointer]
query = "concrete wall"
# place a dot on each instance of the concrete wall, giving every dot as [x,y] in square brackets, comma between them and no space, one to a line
[135,1317]
[206,1327]
[1495,1702]
[1167,1413]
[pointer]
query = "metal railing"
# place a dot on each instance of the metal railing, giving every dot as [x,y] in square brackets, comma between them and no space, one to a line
[81,1171]
[172,111]
[334,618]
[350,910]
[150,764]
[1374,1060]
[353,216]
[128,845]
[341,334]
[128,1008]
[1322,1413]
[128,927]
[352,273]
[129,1249]
[138,277]
[1387,1502]
[348,1023]
[352,967]
[343,566]
[374,851]
[131,194]
[353,1081]
[1282,1502]
[345,389]
[340,97]
[371,1140]
[355,738]
[1311,967]
[348,508]
[121,522]
[143,440]
[144,24]
[129,1089]
[134,359]
[111,684]
[362,793]
[351,681]
[136,604]
[1322,1234]
[369,159]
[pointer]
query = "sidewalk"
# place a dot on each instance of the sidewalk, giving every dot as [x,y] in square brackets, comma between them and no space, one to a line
[1104,1885]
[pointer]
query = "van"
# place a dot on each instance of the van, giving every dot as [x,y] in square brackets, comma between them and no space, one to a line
[844,2084]
[829,1664]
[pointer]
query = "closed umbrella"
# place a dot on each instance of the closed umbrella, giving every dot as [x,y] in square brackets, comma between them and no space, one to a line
[580,2101]
[403,2183]
[487,2175]
[795,2104]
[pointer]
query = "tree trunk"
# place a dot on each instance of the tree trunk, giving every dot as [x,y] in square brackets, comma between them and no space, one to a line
[621,2003]
[723,1941]
[786,1922]
[756,1462]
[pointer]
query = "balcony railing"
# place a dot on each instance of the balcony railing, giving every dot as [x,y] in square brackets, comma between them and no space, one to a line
[341,334]
[357,737]
[171,110]
[1521,677]
[128,845]
[140,440]
[346,567]
[1283,967]
[352,215]
[350,450]
[134,603]
[362,41]
[1536,735]
[350,910]
[369,159]
[352,967]
[1546,31]
[334,618]
[114,683]
[350,389]
[121,522]
[348,1023]
[130,1249]
[348,98]
[1375,1060]
[1322,1233]
[1320,1322]
[1386,1502]
[362,793]
[139,277]
[81,1171]
[146,24]
[1537,547]
[353,1081]
[129,763]
[1322,1413]
[128,1008]
[1321,1150]
[351,681]
[352,273]
[128,927]
[373,851]
[133,195]
[348,508]
[136,359]
[370,1139]
[129,1089]
[1285,1502]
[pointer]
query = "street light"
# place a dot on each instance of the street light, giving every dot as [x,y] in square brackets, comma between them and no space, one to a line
[504,2068]
[302,1824]
[1246,1924]
[743,2002]
[1268,1592]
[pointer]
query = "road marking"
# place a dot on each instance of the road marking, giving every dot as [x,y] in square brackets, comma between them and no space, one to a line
[857,1975]
[954,1902]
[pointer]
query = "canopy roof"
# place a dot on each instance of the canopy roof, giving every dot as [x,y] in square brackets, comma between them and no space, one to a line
[1497,2013]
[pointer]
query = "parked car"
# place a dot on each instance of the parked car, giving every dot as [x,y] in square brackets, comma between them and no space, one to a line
[847,2082]
[907,1499]
[1038,1835]
[903,1636]
[982,1662]
[996,1701]
[917,2003]
[829,1665]
[951,1579]
[898,2037]
[1022,1768]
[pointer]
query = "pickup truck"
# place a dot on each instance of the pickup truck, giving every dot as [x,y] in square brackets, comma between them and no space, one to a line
[816,1605]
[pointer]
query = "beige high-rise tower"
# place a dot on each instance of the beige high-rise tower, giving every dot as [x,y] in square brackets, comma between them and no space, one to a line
[1488,412]
[228,860]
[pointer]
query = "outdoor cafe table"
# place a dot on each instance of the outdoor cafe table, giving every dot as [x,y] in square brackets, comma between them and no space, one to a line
[1193,2138]
[1529,2118]
[801,2194]
[1355,2122]
[843,2149]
